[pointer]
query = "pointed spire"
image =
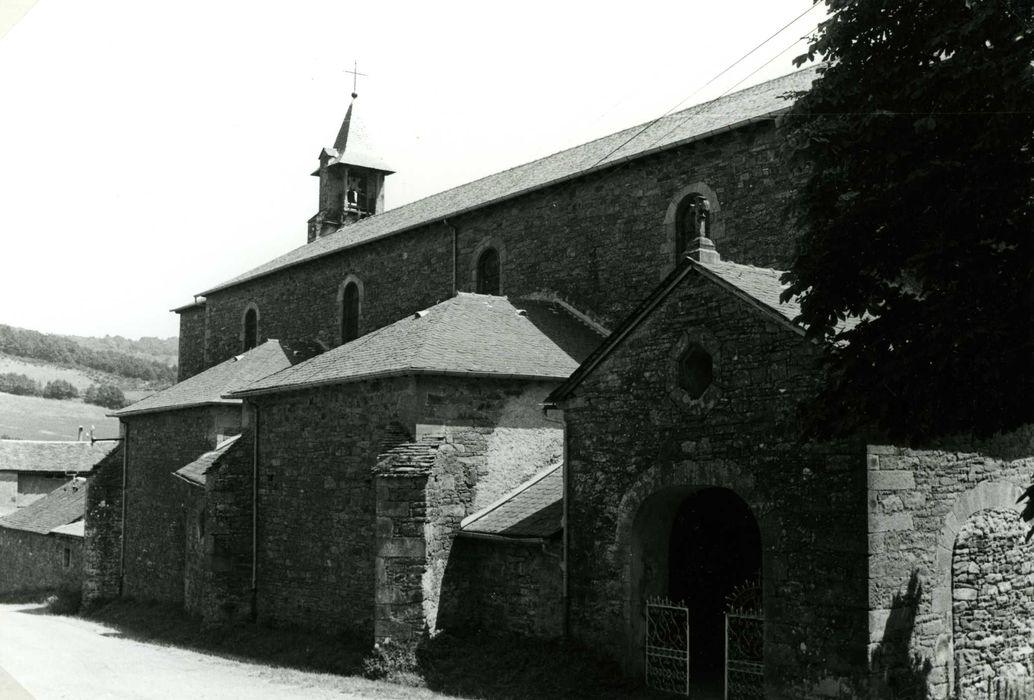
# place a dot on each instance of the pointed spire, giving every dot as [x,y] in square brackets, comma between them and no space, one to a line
[352,145]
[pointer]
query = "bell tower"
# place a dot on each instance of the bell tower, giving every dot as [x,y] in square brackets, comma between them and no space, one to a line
[351,178]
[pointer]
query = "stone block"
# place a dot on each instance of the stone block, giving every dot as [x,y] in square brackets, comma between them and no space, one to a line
[892,480]
[402,547]
[890,522]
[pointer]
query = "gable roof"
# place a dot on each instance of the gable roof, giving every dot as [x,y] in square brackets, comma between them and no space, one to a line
[757,286]
[210,386]
[65,457]
[469,334]
[700,121]
[196,472]
[61,506]
[531,511]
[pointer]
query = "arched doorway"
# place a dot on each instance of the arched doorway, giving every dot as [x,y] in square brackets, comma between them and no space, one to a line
[992,607]
[713,549]
[698,545]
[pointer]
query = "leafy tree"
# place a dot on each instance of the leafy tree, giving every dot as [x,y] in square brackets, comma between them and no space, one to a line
[60,389]
[105,395]
[916,216]
[12,383]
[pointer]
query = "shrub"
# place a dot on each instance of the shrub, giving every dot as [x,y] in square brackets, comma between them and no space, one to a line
[11,383]
[60,389]
[105,395]
[392,661]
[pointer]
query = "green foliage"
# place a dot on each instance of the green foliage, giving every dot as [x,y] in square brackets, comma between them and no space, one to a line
[60,389]
[12,383]
[105,395]
[916,215]
[65,351]
[392,661]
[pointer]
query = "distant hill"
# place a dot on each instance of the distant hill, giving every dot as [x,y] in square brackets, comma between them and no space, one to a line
[164,350]
[147,359]
[33,418]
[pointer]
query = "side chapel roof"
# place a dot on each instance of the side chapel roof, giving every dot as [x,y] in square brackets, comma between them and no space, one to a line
[196,472]
[737,109]
[65,456]
[467,335]
[757,286]
[61,507]
[534,510]
[210,386]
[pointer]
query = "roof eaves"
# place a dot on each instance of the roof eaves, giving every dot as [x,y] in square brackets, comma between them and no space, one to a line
[767,116]
[403,372]
[474,535]
[192,482]
[124,413]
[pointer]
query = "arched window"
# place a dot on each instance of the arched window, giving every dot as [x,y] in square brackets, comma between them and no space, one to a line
[693,221]
[250,334]
[350,312]
[488,278]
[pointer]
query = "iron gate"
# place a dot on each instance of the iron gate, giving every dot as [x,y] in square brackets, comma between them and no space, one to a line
[745,644]
[667,646]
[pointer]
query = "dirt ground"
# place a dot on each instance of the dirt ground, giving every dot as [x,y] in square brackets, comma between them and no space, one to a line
[47,657]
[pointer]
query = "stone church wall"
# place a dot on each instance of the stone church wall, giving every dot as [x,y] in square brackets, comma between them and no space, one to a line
[158,444]
[191,359]
[34,562]
[319,523]
[636,450]
[919,502]
[102,540]
[599,242]
[194,555]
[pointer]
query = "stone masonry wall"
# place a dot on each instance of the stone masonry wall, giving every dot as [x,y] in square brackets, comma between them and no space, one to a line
[195,561]
[637,447]
[191,359]
[32,487]
[919,500]
[992,600]
[8,492]
[599,242]
[316,502]
[498,586]
[228,535]
[36,562]
[102,541]
[158,444]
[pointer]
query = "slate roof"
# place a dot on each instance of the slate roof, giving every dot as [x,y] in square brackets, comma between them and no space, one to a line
[697,122]
[352,145]
[195,472]
[210,386]
[757,286]
[61,506]
[532,511]
[66,457]
[469,334]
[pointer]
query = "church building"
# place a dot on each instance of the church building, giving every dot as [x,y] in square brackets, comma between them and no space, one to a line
[561,400]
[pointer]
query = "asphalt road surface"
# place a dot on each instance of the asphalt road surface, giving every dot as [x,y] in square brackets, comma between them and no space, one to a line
[48,657]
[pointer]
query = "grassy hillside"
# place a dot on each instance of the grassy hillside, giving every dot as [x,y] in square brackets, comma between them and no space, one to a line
[33,418]
[163,350]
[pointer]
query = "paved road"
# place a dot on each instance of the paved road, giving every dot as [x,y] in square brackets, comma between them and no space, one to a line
[49,657]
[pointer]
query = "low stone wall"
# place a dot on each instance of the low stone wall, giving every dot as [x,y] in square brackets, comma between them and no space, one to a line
[514,587]
[919,502]
[35,562]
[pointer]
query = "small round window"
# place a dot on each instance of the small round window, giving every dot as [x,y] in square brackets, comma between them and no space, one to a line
[696,371]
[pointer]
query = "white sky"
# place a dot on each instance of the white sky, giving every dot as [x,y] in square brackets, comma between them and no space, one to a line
[150,150]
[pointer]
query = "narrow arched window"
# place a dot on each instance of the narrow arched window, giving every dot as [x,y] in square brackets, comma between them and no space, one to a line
[692,222]
[350,312]
[488,272]
[250,329]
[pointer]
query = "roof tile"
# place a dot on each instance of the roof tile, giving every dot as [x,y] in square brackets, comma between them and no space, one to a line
[66,457]
[533,510]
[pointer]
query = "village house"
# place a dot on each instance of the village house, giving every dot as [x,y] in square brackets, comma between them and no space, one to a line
[30,469]
[561,400]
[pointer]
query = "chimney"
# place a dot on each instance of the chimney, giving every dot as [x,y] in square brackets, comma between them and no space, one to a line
[80,437]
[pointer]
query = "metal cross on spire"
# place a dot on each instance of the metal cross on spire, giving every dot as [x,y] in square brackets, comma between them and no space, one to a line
[355,76]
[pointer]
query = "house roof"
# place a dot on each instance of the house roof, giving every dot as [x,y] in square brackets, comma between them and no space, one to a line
[210,386]
[66,457]
[469,334]
[196,472]
[61,506]
[532,511]
[757,286]
[730,111]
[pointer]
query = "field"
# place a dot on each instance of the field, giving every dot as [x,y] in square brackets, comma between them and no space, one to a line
[33,418]
[43,372]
